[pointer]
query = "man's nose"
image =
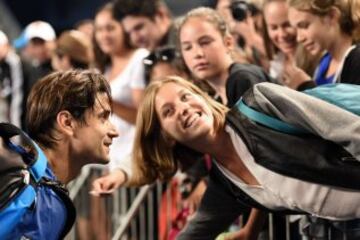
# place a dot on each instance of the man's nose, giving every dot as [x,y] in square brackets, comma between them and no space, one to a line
[113,131]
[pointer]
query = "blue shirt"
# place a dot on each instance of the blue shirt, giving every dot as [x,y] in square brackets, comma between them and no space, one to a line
[320,77]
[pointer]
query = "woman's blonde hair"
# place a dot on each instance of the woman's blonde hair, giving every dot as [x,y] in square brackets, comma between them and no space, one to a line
[349,10]
[154,156]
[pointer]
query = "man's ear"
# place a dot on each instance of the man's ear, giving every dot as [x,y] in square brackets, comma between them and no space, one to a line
[161,14]
[65,122]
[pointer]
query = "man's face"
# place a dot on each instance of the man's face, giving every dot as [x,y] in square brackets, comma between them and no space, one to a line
[143,31]
[92,140]
[38,50]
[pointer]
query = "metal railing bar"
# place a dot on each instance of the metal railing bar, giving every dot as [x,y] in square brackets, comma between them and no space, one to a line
[132,211]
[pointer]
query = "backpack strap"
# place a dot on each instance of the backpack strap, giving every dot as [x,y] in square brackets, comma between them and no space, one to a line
[37,163]
[268,121]
[63,193]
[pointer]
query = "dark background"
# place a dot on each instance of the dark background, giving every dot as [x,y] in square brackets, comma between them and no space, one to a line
[63,14]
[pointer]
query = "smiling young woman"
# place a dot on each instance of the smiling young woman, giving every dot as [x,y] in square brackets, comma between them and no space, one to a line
[330,26]
[177,116]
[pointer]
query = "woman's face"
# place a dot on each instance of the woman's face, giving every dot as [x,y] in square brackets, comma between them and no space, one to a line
[281,33]
[313,32]
[108,33]
[205,51]
[183,115]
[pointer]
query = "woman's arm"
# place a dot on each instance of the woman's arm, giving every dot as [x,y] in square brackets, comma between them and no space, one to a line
[252,227]
[218,209]
[126,112]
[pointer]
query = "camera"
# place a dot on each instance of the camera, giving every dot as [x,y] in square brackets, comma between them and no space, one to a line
[239,10]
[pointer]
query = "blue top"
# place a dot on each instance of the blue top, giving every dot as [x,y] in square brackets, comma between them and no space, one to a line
[45,222]
[320,77]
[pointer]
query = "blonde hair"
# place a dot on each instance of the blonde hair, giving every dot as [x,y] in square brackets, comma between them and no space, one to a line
[349,10]
[154,157]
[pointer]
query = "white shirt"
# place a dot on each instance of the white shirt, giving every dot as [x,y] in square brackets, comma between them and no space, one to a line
[278,191]
[132,77]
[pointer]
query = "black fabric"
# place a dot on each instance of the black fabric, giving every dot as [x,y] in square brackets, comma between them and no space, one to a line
[241,78]
[5,80]
[31,75]
[351,69]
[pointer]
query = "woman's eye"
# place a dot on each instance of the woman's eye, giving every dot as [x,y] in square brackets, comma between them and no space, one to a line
[185,97]
[167,112]
[186,47]
[273,27]
[205,42]
[304,25]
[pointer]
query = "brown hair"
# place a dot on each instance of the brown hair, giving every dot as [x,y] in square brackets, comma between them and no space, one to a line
[102,60]
[349,10]
[75,91]
[154,157]
[76,45]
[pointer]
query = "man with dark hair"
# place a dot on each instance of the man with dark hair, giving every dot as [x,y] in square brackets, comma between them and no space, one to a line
[68,117]
[147,22]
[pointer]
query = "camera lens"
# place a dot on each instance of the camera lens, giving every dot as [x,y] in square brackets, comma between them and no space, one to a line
[239,10]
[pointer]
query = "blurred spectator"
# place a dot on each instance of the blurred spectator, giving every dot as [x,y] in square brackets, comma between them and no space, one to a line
[36,43]
[122,66]
[11,79]
[163,61]
[242,16]
[147,22]
[86,26]
[280,41]
[73,50]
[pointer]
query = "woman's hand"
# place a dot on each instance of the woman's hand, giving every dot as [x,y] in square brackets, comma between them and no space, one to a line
[293,76]
[109,183]
[194,199]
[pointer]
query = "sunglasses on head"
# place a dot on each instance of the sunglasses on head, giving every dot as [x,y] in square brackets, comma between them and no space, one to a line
[167,54]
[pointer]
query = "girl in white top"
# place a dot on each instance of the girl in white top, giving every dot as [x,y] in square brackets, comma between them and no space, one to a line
[122,66]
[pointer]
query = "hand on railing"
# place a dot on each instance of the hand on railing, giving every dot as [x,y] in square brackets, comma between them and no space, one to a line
[192,202]
[107,184]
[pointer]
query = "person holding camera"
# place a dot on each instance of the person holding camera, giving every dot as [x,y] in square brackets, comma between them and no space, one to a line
[242,19]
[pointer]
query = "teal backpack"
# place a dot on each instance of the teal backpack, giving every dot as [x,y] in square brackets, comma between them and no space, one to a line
[345,96]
